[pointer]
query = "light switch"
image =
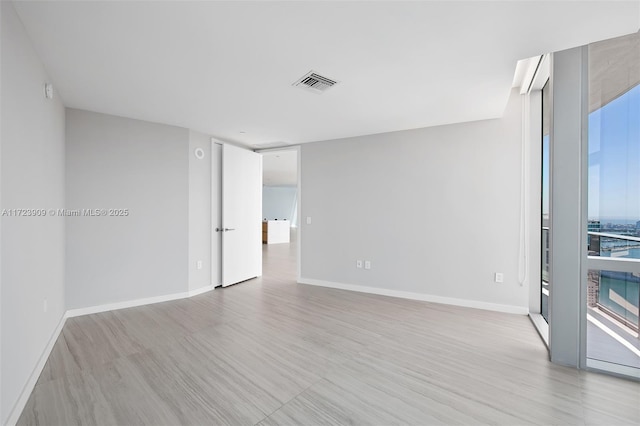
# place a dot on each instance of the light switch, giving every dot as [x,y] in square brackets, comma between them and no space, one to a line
[308,220]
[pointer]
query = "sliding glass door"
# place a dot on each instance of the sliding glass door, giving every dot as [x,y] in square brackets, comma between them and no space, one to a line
[546,212]
[613,281]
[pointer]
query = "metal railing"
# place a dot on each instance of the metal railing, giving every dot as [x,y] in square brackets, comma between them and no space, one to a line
[614,245]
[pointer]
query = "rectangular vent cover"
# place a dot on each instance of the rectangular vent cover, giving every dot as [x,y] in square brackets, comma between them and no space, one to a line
[315,82]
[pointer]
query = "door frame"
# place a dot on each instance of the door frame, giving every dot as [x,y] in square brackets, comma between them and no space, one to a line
[532,127]
[299,237]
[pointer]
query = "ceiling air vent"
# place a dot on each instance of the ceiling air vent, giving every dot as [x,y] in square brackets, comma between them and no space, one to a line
[315,82]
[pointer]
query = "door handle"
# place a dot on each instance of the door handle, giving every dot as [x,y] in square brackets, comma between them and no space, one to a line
[225,229]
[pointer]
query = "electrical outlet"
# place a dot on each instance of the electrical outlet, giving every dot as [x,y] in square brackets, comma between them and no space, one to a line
[359,264]
[499,278]
[367,264]
[199,264]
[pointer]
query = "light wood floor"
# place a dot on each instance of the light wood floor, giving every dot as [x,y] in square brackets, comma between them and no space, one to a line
[273,352]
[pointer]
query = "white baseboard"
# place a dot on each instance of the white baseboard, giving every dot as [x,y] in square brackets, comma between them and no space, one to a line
[125,304]
[510,309]
[15,413]
[136,302]
[201,290]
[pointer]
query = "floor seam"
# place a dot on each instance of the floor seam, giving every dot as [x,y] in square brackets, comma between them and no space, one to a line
[291,399]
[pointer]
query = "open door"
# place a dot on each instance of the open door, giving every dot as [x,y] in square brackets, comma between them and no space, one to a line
[241,215]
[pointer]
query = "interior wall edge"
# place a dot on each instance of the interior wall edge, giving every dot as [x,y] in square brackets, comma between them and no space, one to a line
[16,411]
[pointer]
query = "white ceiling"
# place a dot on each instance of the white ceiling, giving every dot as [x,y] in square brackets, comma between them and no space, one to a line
[224,68]
[280,168]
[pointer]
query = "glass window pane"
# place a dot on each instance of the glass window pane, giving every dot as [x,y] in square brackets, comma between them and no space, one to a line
[613,297]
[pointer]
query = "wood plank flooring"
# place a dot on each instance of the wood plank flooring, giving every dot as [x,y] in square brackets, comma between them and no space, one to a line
[272,352]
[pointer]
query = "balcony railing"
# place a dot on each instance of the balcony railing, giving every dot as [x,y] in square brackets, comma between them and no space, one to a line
[614,245]
[614,276]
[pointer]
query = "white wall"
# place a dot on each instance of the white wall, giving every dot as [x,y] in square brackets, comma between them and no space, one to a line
[120,163]
[32,177]
[435,210]
[199,211]
[279,202]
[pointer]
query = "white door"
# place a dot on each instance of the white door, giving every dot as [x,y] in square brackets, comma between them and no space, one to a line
[241,215]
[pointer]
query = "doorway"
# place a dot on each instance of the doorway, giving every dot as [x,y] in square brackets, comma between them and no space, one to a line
[280,207]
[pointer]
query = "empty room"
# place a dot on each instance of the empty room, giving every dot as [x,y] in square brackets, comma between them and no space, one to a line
[319,212]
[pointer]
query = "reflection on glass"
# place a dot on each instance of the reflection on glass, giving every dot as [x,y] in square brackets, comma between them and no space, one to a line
[618,294]
[613,299]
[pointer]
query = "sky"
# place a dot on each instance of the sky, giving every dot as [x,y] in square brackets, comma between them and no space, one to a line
[614,159]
